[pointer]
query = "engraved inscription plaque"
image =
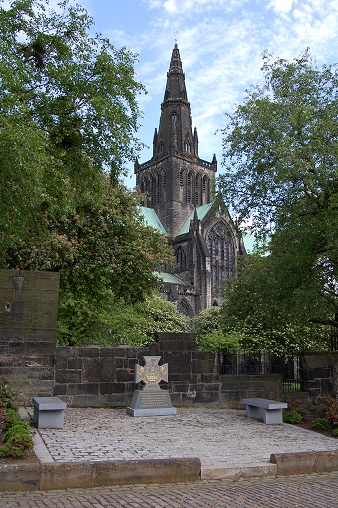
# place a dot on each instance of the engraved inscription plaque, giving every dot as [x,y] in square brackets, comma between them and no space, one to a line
[151,400]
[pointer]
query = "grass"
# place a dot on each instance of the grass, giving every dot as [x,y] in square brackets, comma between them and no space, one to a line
[291,386]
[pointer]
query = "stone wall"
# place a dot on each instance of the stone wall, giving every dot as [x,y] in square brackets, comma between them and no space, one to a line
[92,376]
[28,320]
[96,377]
[317,370]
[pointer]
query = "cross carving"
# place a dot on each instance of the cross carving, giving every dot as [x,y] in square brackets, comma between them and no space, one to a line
[151,373]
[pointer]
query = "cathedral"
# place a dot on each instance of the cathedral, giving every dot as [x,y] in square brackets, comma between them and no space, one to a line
[180,200]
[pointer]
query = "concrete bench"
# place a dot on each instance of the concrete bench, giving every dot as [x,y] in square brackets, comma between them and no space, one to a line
[48,412]
[270,411]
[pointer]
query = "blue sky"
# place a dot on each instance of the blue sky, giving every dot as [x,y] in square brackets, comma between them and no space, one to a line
[221,44]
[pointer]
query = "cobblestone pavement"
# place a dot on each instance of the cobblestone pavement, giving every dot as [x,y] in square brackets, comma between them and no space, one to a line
[219,437]
[306,491]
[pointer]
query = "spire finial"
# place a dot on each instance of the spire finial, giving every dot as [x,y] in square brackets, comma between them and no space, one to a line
[176,37]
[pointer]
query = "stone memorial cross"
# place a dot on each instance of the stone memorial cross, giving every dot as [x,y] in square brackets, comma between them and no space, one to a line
[151,374]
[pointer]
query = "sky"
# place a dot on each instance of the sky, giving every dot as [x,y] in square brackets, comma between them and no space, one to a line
[221,43]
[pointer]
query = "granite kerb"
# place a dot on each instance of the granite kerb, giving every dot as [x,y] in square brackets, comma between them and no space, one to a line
[63,475]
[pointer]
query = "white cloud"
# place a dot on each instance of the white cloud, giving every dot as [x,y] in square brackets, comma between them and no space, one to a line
[189,7]
[281,6]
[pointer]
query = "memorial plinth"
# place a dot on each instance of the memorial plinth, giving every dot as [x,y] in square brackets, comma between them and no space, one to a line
[151,400]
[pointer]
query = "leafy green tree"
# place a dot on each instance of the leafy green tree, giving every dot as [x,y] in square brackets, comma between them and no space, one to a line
[212,335]
[104,252]
[68,123]
[280,158]
[108,239]
[114,322]
[253,310]
[68,113]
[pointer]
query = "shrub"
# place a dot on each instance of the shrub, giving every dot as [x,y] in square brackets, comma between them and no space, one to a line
[292,416]
[298,406]
[321,424]
[17,440]
[335,432]
[6,394]
[10,418]
[329,409]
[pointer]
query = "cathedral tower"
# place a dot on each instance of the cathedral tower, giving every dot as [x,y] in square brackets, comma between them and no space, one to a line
[179,199]
[175,180]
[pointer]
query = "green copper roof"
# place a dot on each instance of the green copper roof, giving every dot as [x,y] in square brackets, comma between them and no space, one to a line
[170,278]
[201,213]
[151,219]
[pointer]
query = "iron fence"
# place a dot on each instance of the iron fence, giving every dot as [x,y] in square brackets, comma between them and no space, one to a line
[263,363]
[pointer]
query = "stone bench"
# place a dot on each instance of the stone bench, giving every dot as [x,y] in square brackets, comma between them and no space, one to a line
[270,411]
[48,412]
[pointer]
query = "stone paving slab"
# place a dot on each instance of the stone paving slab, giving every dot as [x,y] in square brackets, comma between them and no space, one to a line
[221,438]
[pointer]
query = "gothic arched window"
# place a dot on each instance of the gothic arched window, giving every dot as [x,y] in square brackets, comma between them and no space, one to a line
[181,259]
[154,188]
[181,178]
[197,189]
[158,190]
[189,188]
[174,117]
[184,308]
[222,255]
[206,189]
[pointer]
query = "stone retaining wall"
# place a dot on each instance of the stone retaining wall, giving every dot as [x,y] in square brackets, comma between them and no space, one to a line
[93,376]
[98,377]
[317,370]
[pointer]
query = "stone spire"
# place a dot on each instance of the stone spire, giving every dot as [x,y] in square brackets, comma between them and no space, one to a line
[175,133]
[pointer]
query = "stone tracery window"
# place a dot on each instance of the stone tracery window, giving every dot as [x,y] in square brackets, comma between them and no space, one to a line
[197,189]
[189,187]
[181,259]
[206,189]
[187,144]
[184,308]
[221,250]
[181,178]
[160,145]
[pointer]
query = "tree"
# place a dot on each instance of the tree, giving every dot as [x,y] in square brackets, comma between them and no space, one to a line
[105,252]
[68,114]
[109,239]
[280,158]
[212,335]
[262,317]
[115,322]
[68,123]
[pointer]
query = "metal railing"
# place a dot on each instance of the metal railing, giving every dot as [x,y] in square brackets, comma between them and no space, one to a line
[262,364]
